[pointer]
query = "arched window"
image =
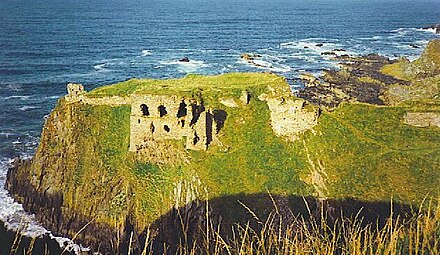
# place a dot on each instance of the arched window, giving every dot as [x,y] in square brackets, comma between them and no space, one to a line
[144,109]
[162,111]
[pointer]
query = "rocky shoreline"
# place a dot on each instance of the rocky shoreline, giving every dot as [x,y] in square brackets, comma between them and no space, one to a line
[49,211]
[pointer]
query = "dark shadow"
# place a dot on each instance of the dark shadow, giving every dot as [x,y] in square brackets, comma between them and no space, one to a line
[162,110]
[182,112]
[196,138]
[209,122]
[196,111]
[145,111]
[219,118]
[228,211]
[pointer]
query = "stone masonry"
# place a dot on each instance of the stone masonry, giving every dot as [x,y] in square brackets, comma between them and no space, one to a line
[155,117]
[161,117]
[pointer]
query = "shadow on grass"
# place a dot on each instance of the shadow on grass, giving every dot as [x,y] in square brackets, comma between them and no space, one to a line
[187,226]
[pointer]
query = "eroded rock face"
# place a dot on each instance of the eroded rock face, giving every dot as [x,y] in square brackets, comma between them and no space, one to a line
[428,65]
[422,119]
[289,117]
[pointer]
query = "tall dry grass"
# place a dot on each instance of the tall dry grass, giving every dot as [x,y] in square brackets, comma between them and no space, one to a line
[417,234]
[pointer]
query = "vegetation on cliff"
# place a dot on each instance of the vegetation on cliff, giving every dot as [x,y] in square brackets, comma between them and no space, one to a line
[361,149]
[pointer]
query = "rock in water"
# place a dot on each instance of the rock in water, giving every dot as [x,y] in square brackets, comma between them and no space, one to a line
[185,59]
[435,27]
[247,56]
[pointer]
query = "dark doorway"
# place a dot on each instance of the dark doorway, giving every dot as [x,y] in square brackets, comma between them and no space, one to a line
[182,110]
[162,111]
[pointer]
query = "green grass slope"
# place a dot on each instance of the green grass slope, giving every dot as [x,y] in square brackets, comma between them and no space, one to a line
[358,150]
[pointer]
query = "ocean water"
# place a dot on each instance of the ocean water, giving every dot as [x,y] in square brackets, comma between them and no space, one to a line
[44,44]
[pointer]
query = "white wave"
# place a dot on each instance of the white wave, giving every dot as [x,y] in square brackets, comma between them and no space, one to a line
[16,97]
[186,67]
[266,65]
[7,134]
[13,214]
[427,30]
[51,97]
[146,53]
[100,67]
[376,37]
[422,42]
[16,219]
[398,30]
[69,245]
[308,46]
[405,31]
[27,107]
[412,57]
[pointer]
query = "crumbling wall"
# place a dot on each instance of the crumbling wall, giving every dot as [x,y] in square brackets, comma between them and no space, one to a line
[159,117]
[75,92]
[289,117]
[422,119]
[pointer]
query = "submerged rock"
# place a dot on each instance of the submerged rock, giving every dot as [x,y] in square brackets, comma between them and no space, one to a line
[185,59]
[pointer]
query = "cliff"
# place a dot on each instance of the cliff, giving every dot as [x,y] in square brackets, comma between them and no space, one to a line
[116,160]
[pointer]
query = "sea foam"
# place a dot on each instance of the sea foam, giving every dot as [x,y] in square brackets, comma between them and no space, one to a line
[146,53]
[16,219]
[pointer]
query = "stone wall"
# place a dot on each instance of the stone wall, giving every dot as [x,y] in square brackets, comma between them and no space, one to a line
[422,119]
[289,117]
[157,117]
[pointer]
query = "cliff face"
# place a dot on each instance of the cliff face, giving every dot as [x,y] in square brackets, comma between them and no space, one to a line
[115,160]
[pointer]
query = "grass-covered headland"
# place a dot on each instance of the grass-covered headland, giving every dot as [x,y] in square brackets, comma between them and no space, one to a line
[358,155]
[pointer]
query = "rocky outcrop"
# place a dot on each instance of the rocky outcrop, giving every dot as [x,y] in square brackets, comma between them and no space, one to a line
[428,65]
[359,80]
[249,56]
[433,27]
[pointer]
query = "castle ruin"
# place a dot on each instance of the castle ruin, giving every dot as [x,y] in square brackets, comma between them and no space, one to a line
[155,117]
[161,117]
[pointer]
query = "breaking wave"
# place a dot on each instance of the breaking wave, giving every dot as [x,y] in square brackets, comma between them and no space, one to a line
[17,220]
[146,53]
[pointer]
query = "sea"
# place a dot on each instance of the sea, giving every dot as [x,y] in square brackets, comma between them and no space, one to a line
[45,44]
